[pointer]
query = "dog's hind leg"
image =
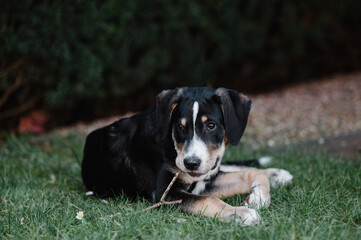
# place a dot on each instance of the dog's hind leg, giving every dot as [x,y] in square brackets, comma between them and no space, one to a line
[277,177]
[237,165]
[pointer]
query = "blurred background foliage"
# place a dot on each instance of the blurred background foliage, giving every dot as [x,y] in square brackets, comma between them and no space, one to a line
[82,59]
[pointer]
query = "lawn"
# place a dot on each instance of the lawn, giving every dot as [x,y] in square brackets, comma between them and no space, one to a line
[41,192]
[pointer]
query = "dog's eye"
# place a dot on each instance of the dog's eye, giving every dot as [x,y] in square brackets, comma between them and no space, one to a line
[211,125]
[180,127]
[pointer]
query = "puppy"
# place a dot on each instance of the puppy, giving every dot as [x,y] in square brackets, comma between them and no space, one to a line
[187,130]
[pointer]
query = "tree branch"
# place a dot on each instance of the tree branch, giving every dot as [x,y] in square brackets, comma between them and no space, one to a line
[11,68]
[162,201]
[10,90]
[20,109]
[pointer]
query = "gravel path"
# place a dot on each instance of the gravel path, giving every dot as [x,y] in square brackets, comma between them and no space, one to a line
[307,112]
[312,111]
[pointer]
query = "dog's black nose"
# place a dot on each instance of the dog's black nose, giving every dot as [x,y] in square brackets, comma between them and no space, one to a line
[192,163]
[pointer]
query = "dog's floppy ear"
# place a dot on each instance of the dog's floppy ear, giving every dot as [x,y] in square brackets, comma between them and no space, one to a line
[166,101]
[236,108]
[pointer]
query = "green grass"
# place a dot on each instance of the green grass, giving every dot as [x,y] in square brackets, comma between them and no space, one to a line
[323,202]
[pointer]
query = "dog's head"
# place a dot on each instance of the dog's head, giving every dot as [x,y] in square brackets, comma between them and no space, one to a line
[200,122]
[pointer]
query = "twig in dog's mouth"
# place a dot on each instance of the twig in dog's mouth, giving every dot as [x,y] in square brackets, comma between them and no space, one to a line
[162,201]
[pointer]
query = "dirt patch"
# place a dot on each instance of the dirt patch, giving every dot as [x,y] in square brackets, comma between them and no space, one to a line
[321,109]
[84,129]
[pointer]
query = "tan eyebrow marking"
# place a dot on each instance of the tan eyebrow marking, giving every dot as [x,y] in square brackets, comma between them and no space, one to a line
[183,121]
[204,118]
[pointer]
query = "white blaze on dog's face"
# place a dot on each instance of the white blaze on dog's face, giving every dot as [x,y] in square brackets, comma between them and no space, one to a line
[198,135]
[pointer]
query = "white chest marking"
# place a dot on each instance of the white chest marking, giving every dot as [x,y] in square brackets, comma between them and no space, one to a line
[199,188]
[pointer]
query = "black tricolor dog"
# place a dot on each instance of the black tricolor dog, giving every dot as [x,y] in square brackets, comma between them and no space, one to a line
[187,130]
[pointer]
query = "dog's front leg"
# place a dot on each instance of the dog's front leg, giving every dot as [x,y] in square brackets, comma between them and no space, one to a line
[211,206]
[248,180]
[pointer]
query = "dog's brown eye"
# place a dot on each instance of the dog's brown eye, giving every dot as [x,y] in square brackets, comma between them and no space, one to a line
[211,125]
[180,127]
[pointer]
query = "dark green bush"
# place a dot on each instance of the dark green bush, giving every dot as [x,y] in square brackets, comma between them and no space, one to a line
[71,53]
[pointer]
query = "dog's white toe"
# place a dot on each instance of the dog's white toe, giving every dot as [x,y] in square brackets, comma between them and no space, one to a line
[245,216]
[258,199]
[279,177]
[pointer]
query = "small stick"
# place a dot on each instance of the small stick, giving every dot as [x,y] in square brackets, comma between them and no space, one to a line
[162,201]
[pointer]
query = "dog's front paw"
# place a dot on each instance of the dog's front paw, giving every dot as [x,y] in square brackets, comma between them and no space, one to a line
[243,216]
[278,177]
[258,198]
